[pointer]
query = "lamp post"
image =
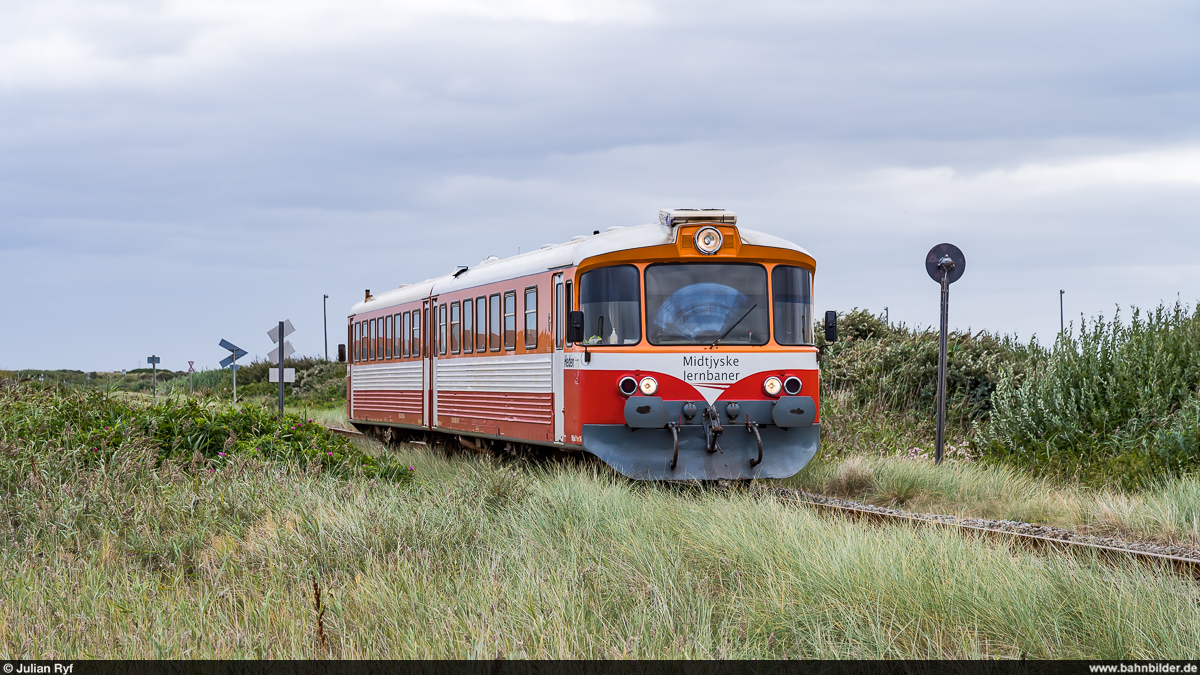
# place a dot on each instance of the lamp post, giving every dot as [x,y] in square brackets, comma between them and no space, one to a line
[325,322]
[1061,325]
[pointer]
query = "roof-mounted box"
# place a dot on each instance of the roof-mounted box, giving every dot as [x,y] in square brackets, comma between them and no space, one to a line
[673,217]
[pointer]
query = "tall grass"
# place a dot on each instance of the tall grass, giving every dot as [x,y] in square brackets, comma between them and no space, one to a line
[476,561]
[1167,511]
[142,552]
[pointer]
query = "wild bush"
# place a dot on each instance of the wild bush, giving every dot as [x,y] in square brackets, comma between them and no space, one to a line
[318,382]
[1118,402]
[897,366]
[90,428]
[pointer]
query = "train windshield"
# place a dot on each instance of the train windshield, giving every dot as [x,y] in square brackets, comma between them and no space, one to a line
[793,305]
[698,303]
[610,298]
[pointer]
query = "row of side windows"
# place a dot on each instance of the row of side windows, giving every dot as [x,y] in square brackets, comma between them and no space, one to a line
[485,323]
[396,336]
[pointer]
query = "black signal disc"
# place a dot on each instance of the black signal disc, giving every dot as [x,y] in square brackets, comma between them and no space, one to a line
[935,255]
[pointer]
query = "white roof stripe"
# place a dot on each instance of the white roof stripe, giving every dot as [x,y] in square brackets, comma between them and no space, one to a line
[568,254]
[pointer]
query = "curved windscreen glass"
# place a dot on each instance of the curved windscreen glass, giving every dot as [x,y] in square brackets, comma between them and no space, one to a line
[793,305]
[697,303]
[610,298]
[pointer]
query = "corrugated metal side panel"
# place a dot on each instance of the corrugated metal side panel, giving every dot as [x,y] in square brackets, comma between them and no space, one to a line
[532,374]
[404,402]
[386,377]
[501,407]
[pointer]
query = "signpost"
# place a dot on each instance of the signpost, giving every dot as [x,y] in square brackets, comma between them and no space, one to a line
[154,361]
[283,351]
[289,375]
[191,370]
[230,362]
[945,265]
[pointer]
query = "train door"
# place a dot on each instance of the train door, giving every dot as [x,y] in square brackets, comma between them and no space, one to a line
[559,321]
[427,344]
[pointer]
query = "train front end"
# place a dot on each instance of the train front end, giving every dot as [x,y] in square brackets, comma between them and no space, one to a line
[694,359]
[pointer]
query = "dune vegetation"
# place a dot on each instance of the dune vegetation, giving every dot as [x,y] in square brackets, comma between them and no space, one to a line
[191,528]
[153,548]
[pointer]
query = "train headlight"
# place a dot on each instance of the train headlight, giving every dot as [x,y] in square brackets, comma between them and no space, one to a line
[708,240]
[627,385]
[792,385]
[648,385]
[772,386]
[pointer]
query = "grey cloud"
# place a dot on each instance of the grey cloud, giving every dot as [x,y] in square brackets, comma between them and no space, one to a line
[228,170]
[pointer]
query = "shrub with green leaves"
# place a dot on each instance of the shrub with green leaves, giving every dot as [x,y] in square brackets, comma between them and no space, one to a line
[319,383]
[1120,402]
[897,366]
[93,427]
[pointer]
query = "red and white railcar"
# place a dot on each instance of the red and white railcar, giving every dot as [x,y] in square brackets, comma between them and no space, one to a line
[676,350]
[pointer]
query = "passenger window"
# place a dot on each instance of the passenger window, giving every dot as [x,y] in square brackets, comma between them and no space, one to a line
[442,328]
[358,341]
[387,341]
[416,333]
[481,324]
[371,341]
[494,322]
[405,333]
[455,328]
[531,323]
[510,320]
[468,328]
[398,322]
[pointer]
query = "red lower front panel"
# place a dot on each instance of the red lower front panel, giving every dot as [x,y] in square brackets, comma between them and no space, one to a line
[592,396]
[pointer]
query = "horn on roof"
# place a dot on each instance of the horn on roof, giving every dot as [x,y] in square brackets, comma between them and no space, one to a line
[673,217]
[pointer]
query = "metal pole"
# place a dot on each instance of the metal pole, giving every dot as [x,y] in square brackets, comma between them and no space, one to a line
[887,318]
[1061,325]
[325,322]
[281,352]
[946,265]
[154,372]
[233,367]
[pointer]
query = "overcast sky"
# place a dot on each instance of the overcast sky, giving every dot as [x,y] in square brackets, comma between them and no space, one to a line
[177,172]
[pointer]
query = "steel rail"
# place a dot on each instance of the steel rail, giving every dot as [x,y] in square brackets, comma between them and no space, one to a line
[1189,567]
[343,432]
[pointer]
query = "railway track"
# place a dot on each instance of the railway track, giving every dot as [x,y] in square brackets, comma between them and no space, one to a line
[344,432]
[1028,534]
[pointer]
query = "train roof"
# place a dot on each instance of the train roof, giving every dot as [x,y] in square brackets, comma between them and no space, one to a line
[550,257]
